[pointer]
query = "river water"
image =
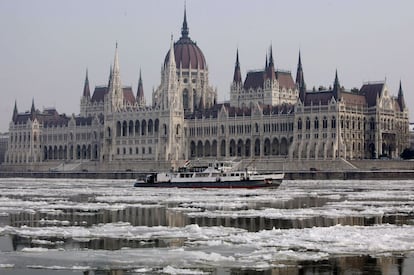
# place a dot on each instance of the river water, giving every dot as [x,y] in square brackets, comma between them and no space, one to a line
[55,226]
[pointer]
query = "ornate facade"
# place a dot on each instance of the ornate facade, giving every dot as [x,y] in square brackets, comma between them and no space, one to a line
[269,115]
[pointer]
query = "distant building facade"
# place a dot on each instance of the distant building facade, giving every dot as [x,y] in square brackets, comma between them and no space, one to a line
[411,135]
[4,140]
[269,115]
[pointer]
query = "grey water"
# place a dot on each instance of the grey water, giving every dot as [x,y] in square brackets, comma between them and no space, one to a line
[72,226]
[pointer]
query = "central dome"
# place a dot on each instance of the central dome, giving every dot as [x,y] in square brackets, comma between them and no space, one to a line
[187,53]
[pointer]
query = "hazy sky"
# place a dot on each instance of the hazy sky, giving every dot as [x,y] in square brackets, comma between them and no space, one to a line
[46,46]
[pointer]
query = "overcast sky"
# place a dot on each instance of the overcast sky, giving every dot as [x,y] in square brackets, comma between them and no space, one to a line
[46,46]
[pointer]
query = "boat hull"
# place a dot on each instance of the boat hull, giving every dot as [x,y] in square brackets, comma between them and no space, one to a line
[248,184]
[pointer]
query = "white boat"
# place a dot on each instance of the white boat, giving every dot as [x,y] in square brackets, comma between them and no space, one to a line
[212,176]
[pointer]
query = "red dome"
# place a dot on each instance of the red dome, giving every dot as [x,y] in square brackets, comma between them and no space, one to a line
[187,52]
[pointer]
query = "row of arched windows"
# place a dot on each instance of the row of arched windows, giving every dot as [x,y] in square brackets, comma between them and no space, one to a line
[72,152]
[240,148]
[137,128]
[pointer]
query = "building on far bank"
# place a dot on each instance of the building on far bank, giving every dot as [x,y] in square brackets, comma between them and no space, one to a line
[4,139]
[411,135]
[269,115]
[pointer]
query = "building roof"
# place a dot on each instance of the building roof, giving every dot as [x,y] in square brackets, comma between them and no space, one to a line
[240,111]
[100,92]
[354,99]
[285,80]
[187,53]
[256,79]
[320,97]
[371,91]
[128,95]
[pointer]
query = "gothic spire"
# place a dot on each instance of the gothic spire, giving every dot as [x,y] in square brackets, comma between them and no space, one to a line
[33,110]
[140,91]
[300,80]
[116,61]
[336,87]
[271,56]
[110,75]
[237,73]
[184,29]
[171,61]
[15,112]
[270,72]
[86,90]
[115,86]
[400,98]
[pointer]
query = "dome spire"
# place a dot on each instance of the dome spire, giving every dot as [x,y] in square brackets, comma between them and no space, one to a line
[184,29]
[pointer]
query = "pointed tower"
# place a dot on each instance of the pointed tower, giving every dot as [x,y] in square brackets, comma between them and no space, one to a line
[140,92]
[171,96]
[110,75]
[32,111]
[15,112]
[86,90]
[237,74]
[86,97]
[184,29]
[336,87]
[400,98]
[115,92]
[270,70]
[300,80]
[237,84]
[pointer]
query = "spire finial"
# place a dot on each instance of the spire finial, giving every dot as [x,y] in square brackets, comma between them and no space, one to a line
[300,79]
[184,29]
[336,87]
[140,91]
[33,109]
[15,112]
[116,60]
[271,55]
[237,73]
[86,90]
[336,77]
[400,98]
[172,54]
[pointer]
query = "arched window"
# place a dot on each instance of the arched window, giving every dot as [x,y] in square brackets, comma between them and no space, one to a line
[299,124]
[325,122]
[124,128]
[185,99]
[316,123]
[308,123]
[333,122]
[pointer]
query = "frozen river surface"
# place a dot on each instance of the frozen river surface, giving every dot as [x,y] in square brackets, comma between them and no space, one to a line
[55,226]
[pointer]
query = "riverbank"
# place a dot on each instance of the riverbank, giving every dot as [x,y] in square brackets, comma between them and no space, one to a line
[289,175]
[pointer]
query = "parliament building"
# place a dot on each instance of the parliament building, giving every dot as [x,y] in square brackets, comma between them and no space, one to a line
[270,115]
